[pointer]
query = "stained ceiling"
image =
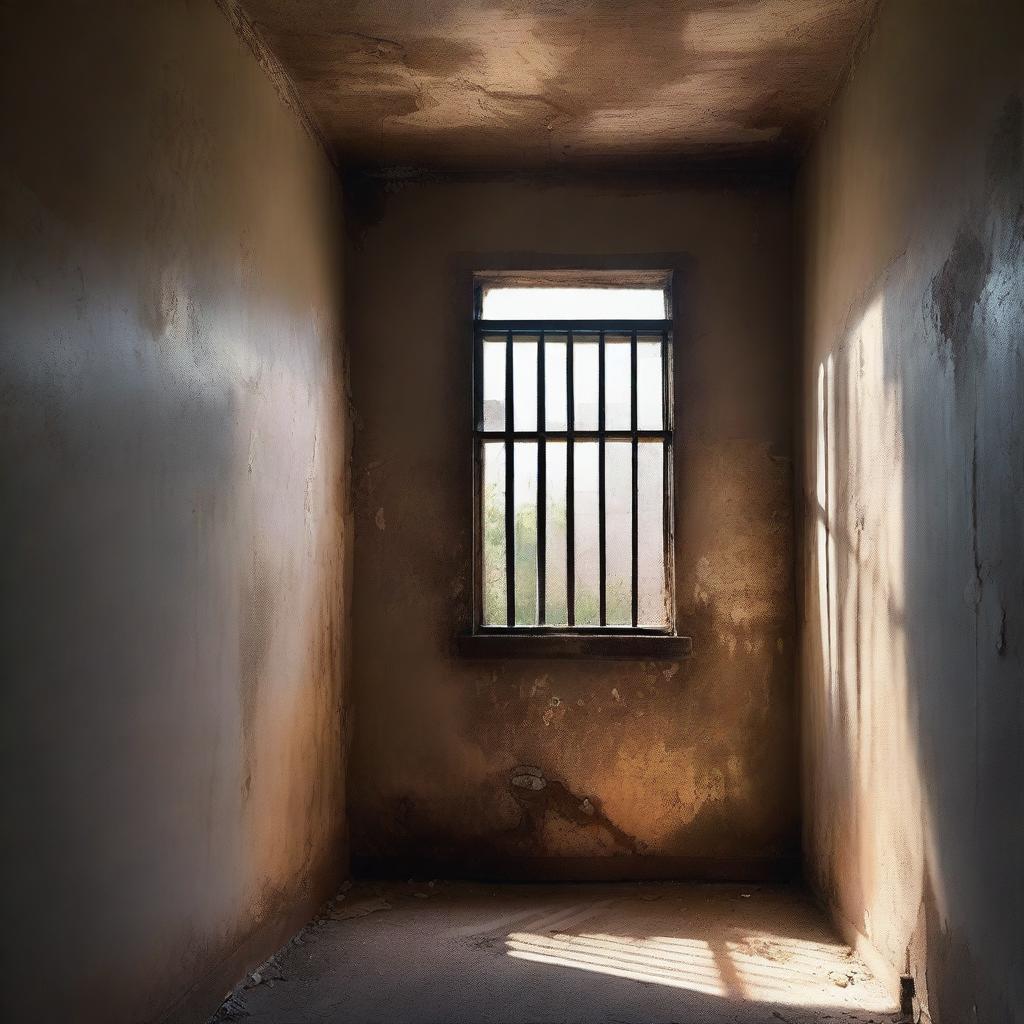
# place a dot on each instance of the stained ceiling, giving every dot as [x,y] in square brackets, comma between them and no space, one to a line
[527,83]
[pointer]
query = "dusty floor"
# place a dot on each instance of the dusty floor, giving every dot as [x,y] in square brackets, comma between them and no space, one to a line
[455,952]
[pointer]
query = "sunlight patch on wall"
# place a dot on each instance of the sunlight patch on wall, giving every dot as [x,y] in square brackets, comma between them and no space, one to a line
[859,544]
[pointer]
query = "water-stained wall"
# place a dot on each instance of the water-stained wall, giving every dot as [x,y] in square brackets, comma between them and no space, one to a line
[913,503]
[174,492]
[684,768]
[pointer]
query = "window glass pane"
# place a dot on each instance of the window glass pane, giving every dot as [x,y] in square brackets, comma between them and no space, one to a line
[652,604]
[617,387]
[524,382]
[584,381]
[556,395]
[582,303]
[526,532]
[618,489]
[648,385]
[585,518]
[555,607]
[494,383]
[492,518]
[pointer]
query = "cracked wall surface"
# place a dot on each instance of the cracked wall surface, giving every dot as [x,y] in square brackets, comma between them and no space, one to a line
[912,505]
[579,768]
[460,83]
[174,483]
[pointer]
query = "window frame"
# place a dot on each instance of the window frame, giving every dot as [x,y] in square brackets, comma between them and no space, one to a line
[573,639]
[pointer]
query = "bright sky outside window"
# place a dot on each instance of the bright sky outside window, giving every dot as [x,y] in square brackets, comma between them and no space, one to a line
[573,303]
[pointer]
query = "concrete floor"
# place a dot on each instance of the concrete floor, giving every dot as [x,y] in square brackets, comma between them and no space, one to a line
[459,952]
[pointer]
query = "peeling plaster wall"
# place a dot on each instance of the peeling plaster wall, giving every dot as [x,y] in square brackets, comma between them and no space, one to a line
[671,769]
[174,474]
[913,502]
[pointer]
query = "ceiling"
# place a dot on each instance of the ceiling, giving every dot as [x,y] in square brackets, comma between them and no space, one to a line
[466,84]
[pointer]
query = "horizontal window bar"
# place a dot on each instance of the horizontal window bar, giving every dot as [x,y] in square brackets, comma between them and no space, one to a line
[578,435]
[563,326]
[622,630]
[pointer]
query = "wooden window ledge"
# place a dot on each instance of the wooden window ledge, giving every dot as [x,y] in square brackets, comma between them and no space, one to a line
[618,646]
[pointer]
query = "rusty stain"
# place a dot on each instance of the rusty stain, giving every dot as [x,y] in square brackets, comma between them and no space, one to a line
[539,804]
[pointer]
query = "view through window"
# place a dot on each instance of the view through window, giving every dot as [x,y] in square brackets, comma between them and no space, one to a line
[573,446]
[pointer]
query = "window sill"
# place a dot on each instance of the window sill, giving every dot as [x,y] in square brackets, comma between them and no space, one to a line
[615,646]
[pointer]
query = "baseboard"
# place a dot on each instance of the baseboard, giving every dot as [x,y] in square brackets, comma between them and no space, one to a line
[629,868]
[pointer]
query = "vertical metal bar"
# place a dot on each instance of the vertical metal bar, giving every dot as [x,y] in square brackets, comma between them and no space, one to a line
[478,456]
[510,483]
[542,485]
[634,539]
[667,506]
[570,485]
[601,517]
[665,423]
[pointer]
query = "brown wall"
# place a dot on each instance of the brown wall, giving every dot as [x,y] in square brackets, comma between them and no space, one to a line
[174,473]
[690,767]
[913,503]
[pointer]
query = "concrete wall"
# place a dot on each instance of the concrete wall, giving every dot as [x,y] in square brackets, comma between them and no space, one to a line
[913,503]
[174,466]
[689,768]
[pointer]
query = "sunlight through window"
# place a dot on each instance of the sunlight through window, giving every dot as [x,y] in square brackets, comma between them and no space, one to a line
[760,967]
[573,303]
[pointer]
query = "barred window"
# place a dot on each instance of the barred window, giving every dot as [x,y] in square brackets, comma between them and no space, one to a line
[573,449]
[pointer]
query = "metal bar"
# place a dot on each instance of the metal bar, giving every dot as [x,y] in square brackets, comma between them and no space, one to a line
[510,436]
[666,421]
[478,385]
[668,555]
[510,495]
[653,631]
[577,631]
[580,435]
[601,514]
[478,456]
[634,538]
[542,486]
[569,326]
[570,486]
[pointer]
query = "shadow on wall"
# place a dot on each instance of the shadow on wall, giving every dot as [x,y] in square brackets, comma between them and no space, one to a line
[915,609]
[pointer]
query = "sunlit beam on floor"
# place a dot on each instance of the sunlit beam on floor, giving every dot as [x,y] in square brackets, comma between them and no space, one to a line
[756,966]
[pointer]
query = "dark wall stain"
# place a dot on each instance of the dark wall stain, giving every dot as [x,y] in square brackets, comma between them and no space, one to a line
[539,797]
[955,292]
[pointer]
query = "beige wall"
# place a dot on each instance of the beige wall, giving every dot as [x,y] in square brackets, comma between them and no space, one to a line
[913,503]
[689,768]
[174,474]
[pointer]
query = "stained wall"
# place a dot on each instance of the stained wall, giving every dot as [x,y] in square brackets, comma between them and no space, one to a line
[174,452]
[669,769]
[912,572]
